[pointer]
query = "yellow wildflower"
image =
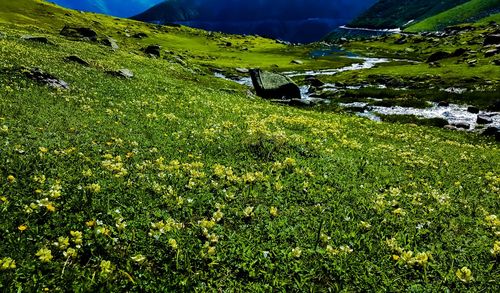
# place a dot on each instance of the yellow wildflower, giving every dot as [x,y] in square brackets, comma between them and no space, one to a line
[22,227]
[70,253]
[465,275]
[7,263]
[173,244]
[496,249]
[139,258]
[44,254]
[248,212]
[106,267]
[11,179]
[62,242]
[296,252]
[43,150]
[273,211]
[217,216]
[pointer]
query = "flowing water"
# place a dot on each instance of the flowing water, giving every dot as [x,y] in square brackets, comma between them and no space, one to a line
[454,114]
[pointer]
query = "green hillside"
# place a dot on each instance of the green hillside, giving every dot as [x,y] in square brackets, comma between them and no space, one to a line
[467,12]
[176,181]
[388,14]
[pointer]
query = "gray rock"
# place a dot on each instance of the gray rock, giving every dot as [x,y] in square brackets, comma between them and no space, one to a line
[473,110]
[74,58]
[242,70]
[36,39]
[270,85]
[438,56]
[153,50]
[491,53]
[481,119]
[124,73]
[79,33]
[110,42]
[42,77]
[140,36]
[493,39]
[461,126]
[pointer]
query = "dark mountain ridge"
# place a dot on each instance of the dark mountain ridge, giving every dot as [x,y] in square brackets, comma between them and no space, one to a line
[293,20]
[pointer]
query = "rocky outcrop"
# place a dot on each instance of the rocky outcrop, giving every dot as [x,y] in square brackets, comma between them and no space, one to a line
[270,85]
[42,77]
[79,33]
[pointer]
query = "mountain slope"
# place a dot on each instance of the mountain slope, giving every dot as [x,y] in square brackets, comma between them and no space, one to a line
[389,14]
[467,12]
[111,7]
[177,181]
[295,20]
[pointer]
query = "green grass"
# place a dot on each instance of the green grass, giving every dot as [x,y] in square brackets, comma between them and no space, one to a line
[178,181]
[467,12]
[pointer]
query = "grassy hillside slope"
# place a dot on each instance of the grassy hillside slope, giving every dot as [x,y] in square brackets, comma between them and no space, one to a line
[174,180]
[468,12]
[387,14]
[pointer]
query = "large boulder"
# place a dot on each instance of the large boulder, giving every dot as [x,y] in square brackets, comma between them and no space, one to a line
[270,85]
[79,33]
[493,39]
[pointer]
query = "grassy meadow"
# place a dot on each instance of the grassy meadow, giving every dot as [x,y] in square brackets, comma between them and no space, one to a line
[174,180]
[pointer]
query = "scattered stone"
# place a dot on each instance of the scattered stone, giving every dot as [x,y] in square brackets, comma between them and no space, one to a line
[493,39]
[492,131]
[459,52]
[473,110]
[299,62]
[79,33]
[481,119]
[496,62]
[242,70]
[154,50]
[401,41]
[491,53]
[180,61]
[124,73]
[434,65]
[270,85]
[74,58]
[438,56]
[472,62]
[42,77]
[461,126]
[36,39]
[443,104]
[140,36]
[110,42]
[314,82]
[229,44]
